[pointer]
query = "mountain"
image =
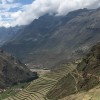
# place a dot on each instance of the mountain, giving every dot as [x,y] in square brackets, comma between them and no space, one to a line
[52,39]
[7,33]
[79,82]
[12,71]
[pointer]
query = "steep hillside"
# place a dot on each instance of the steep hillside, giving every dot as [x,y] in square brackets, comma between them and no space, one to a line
[51,39]
[84,78]
[93,94]
[12,71]
[67,82]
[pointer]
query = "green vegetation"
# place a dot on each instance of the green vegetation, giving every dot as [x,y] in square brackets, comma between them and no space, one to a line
[11,91]
[7,93]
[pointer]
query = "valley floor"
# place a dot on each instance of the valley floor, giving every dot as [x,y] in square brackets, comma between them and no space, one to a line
[38,89]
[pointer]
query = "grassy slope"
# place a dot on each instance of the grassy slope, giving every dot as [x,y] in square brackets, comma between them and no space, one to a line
[85,77]
[13,90]
[93,94]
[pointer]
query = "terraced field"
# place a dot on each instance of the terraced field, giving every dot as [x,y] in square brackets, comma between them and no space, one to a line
[38,89]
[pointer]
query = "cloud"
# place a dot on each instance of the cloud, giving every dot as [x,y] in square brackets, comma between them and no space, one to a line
[5,1]
[8,4]
[6,18]
[27,13]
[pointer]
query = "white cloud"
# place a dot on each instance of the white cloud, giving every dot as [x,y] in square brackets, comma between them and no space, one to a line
[27,13]
[5,1]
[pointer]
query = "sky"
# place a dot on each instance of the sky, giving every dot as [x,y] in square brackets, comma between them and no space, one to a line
[23,12]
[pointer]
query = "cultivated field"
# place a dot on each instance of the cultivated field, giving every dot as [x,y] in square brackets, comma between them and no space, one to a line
[38,89]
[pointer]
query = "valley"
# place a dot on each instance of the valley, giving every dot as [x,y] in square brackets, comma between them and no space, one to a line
[38,89]
[51,39]
[40,71]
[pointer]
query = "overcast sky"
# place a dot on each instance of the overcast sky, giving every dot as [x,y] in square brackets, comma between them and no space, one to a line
[23,12]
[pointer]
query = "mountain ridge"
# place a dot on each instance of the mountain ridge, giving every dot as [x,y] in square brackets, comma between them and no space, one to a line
[7,33]
[49,39]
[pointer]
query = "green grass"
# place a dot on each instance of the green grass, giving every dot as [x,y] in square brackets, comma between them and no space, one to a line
[7,93]
[13,90]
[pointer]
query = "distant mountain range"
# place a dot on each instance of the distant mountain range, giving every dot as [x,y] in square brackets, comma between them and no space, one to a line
[7,33]
[52,39]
